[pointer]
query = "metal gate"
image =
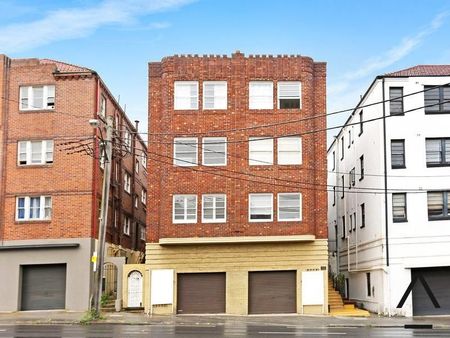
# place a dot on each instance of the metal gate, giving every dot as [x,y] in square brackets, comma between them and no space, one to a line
[110,279]
[135,289]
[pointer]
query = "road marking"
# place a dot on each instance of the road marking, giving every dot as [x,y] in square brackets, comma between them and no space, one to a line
[276,332]
[303,333]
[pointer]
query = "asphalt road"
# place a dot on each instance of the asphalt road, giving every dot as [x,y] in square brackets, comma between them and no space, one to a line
[166,331]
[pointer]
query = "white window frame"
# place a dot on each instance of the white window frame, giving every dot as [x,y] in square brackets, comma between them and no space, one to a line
[215,140]
[136,201]
[224,104]
[299,97]
[126,225]
[184,162]
[144,160]
[214,219]
[176,98]
[136,166]
[127,182]
[28,152]
[30,97]
[143,233]
[27,208]
[253,145]
[281,149]
[144,197]
[184,220]
[127,138]
[102,111]
[249,208]
[253,102]
[300,207]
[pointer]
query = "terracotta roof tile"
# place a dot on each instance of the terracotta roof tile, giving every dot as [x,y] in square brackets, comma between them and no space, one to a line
[64,67]
[423,70]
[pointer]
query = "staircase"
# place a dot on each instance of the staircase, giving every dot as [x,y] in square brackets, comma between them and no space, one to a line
[109,306]
[338,307]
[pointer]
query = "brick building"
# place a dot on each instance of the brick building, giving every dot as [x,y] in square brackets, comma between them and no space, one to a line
[50,190]
[237,217]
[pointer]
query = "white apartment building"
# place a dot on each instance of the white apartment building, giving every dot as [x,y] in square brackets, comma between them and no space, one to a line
[389,211]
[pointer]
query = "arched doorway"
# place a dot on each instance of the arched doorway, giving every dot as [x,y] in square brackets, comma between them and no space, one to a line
[135,287]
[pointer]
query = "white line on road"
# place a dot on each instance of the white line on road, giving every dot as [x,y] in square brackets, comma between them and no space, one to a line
[303,333]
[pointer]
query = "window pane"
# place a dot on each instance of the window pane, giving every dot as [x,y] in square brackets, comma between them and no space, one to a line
[22,152]
[50,96]
[397,153]
[186,95]
[21,208]
[36,152]
[289,150]
[38,97]
[396,103]
[289,95]
[215,95]
[399,206]
[49,152]
[260,95]
[35,204]
[260,151]
[24,98]
[433,151]
[185,152]
[435,204]
[48,208]
[261,207]
[289,206]
[214,151]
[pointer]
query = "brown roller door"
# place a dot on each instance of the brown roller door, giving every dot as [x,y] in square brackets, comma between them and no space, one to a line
[201,293]
[43,287]
[272,292]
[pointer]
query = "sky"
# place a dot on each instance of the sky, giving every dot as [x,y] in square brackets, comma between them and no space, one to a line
[358,39]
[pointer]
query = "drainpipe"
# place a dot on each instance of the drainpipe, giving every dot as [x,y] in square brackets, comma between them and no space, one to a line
[386,220]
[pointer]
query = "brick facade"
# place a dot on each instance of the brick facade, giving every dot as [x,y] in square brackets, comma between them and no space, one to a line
[74,179]
[165,179]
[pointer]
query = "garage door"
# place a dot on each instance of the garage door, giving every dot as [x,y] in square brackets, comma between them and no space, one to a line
[438,279]
[43,287]
[201,293]
[272,292]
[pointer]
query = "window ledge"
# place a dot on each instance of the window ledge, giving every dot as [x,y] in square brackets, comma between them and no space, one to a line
[31,221]
[237,239]
[398,167]
[400,220]
[437,112]
[437,165]
[50,110]
[34,166]
[443,218]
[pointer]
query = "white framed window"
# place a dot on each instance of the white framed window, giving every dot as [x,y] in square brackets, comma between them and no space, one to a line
[143,233]
[31,208]
[214,150]
[289,94]
[260,95]
[214,208]
[144,196]
[260,150]
[126,225]
[115,218]
[260,207]
[35,152]
[136,166]
[102,106]
[186,95]
[185,151]
[289,207]
[127,139]
[184,209]
[215,95]
[144,160]
[102,157]
[290,150]
[127,182]
[136,201]
[37,97]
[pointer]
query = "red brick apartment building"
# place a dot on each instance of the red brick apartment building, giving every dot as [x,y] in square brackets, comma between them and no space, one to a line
[237,219]
[50,190]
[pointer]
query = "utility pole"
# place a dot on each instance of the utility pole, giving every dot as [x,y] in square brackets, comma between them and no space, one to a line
[107,149]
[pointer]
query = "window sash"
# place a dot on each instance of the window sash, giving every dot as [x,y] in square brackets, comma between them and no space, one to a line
[438,203]
[260,95]
[126,225]
[289,94]
[185,95]
[260,151]
[214,151]
[33,208]
[399,207]
[215,95]
[185,152]
[144,197]
[289,207]
[396,100]
[214,208]
[436,97]
[37,97]
[437,151]
[397,153]
[260,207]
[102,106]
[34,152]
[289,150]
[184,209]
[127,182]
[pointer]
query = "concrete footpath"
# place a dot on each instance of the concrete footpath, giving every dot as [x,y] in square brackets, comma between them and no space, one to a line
[67,317]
